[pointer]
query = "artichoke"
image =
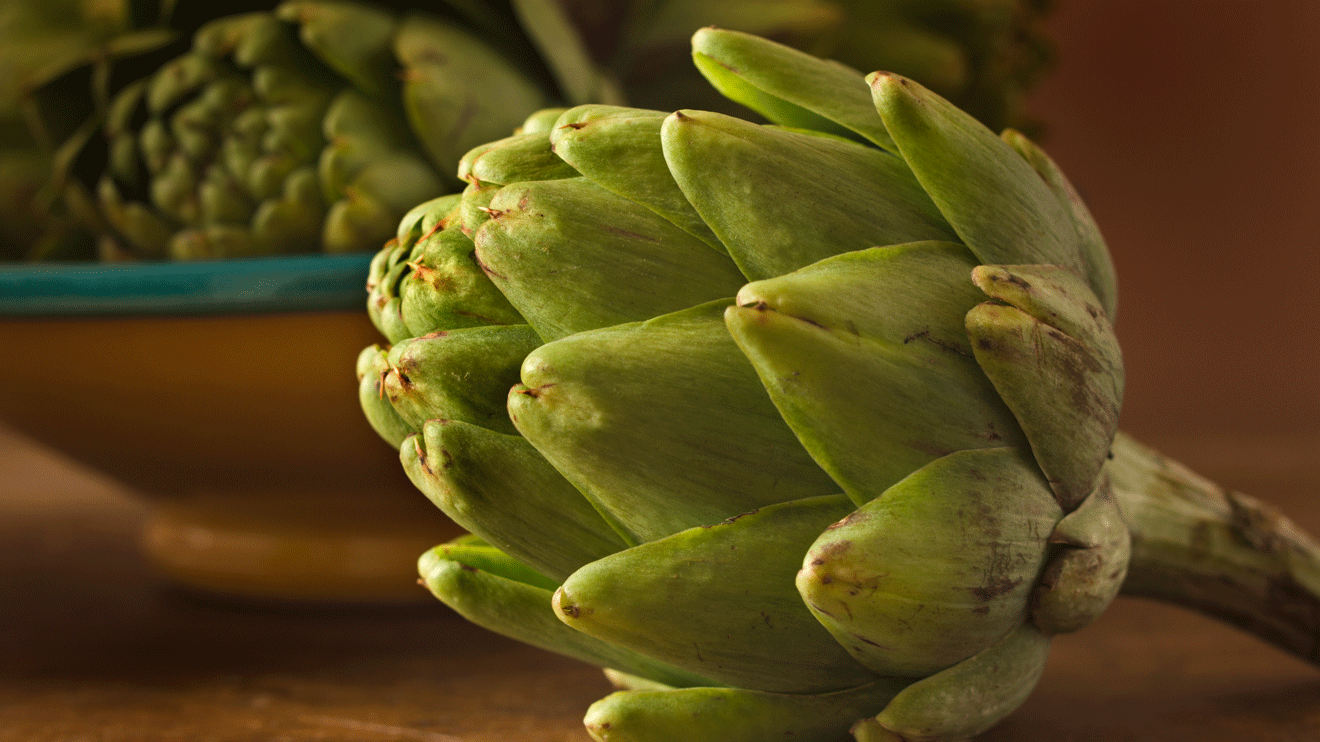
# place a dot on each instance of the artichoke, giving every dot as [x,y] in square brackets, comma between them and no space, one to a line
[288,131]
[797,429]
[58,63]
[316,126]
[808,421]
[34,36]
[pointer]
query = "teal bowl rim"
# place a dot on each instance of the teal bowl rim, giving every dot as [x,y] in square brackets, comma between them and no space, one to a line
[272,284]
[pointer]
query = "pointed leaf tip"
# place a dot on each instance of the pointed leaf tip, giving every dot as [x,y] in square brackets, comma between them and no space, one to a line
[996,201]
[787,86]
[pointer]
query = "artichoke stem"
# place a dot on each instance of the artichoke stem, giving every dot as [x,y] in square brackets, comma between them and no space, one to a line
[1218,552]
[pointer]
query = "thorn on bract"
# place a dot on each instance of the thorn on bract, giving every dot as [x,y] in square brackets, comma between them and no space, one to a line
[535,392]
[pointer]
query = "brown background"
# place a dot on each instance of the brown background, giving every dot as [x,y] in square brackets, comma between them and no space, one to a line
[1193,129]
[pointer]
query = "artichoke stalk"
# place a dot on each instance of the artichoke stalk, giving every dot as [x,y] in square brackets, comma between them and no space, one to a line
[317,125]
[798,429]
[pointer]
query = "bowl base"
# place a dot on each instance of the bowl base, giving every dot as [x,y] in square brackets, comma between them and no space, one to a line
[332,556]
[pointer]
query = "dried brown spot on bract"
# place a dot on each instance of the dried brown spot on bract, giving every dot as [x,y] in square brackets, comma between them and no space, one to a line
[1016,280]
[485,268]
[419,268]
[421,455]
[727,521]
[931,450]
[811,322]
[863,639]
[996,587]
[820,610]
[944,345]
[855,516]
[535,392]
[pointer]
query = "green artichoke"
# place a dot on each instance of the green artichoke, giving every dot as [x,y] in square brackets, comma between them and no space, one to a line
[809,422]
[288,131]
[317,125]
[983,55]
[797,429]
[59,62]
[34,37]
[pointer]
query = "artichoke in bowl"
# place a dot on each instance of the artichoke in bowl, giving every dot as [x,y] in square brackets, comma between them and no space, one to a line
[797,429]
[316,125]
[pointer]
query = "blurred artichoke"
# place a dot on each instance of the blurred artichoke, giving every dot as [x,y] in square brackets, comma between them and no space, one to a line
[59,61]
[287,131]
[34,37]
[317,125]
[644,353]
[925,331]
[981,54]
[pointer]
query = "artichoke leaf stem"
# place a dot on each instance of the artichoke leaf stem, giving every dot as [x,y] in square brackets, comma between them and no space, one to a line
[1218,552]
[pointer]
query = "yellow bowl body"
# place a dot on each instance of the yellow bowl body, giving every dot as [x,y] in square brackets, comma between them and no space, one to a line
[244,433]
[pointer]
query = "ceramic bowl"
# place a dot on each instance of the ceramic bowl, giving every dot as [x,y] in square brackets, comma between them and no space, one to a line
[224,393]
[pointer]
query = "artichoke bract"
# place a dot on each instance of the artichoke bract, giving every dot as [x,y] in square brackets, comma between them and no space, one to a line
[796,428]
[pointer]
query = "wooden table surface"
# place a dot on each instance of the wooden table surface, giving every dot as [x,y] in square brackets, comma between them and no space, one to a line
[94,649]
